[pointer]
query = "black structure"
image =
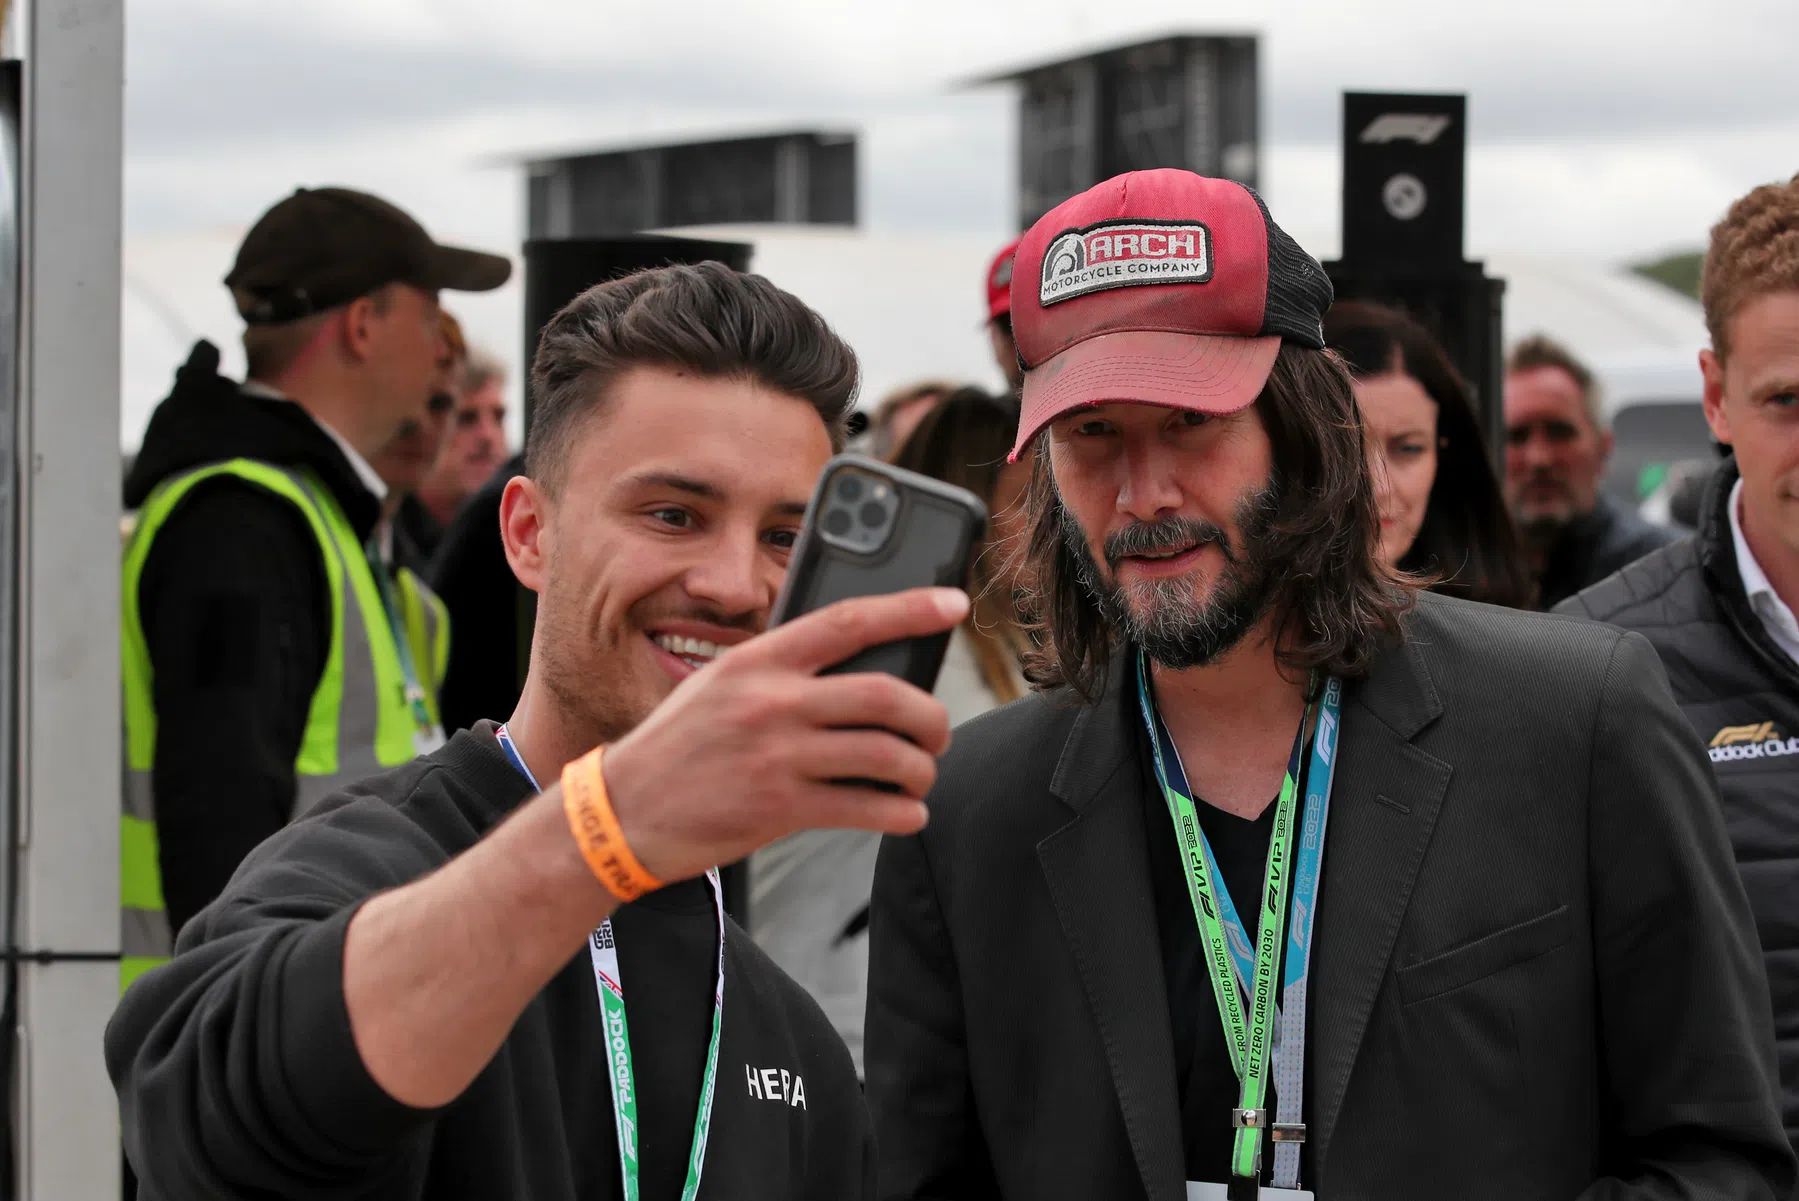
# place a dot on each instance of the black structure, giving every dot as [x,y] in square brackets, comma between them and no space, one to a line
[487,668]
[1183,101]
[559,269]
[800,177]
[1404,172]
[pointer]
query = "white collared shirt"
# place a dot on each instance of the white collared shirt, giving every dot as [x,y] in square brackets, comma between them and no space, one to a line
[1776,616]
[368,475]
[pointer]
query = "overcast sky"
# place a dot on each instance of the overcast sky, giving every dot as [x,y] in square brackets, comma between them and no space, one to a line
[1597,127]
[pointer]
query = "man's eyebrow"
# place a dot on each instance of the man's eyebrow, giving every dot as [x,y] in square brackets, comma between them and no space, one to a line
[701,488]
[677,483]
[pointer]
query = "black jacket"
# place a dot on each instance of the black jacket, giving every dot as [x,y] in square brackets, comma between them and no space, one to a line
[238,1076]
[416,535]
[236,610]
[471,575]
[1535,975]
[1595,545]
[1741,693]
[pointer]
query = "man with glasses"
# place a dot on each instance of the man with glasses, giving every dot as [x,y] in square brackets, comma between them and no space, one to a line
[474,451]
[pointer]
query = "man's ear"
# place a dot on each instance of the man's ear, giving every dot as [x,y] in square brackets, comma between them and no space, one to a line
[524,529]
[358,327]
[1712,368]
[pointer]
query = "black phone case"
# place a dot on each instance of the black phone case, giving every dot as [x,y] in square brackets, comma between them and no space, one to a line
[935,535]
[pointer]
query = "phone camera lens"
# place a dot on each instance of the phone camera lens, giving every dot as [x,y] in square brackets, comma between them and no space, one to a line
[874,516]
[849,488]
[838,522]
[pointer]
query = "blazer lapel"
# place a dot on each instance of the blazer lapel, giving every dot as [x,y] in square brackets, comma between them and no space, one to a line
[1103,901]
[1384,805]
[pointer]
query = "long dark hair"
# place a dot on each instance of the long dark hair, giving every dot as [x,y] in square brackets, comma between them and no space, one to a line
[964,441]
[1335,605]
[1467,541]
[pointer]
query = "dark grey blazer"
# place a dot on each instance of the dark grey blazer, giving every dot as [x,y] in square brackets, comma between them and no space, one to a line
[1534,976]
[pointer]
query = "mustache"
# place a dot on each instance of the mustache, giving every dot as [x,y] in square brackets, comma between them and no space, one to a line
[1169,533]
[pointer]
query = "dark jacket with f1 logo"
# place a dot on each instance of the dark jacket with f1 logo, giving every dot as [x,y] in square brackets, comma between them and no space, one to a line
[1741,692]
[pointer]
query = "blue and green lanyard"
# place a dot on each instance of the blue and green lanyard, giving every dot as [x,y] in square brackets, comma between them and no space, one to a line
[1243,972]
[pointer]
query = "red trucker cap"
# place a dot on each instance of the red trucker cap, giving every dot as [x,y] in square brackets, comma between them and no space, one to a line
[999,281]
[1158,287]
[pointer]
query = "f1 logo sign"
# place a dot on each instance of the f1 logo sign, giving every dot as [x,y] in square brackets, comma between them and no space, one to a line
[1422,128]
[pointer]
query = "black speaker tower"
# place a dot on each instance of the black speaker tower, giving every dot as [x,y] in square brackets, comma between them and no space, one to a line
[559,269]
[1404,185]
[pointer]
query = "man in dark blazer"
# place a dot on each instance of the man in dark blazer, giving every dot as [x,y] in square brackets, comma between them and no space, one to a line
[1523,966]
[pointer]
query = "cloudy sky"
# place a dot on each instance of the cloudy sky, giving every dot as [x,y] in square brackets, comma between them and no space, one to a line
[1599,128]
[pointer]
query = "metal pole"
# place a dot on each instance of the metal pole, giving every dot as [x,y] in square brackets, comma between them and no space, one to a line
[66,1122]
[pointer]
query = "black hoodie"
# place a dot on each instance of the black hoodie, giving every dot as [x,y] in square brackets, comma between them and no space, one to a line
[234,604]
[238,1074]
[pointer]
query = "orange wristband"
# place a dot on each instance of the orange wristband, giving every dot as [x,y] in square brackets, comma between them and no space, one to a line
[597,831]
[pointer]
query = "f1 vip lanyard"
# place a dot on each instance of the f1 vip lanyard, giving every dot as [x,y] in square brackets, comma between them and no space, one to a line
[1229,960]
[603,950]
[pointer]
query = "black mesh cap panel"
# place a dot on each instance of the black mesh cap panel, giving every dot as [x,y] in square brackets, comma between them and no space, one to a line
[1299,291]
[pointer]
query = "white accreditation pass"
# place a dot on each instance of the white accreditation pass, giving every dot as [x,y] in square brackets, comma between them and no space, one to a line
[1217,1192]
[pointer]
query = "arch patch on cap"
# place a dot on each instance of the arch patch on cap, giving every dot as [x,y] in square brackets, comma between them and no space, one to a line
[1123,254]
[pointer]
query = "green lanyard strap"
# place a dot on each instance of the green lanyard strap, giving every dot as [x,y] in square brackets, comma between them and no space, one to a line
[603,949]
[1248,1037]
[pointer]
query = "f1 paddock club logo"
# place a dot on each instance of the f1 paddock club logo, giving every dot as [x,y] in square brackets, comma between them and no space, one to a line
[1120,254]
[1759,740]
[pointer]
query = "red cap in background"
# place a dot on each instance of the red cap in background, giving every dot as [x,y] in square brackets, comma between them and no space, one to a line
[999,281]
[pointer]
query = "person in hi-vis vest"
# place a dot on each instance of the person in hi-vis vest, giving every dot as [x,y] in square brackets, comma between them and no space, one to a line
[396,559]
[260,663]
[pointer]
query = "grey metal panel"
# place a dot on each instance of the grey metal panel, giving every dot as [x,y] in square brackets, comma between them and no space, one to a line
[793,178]
[721,182]
[1185,101]
[1239,110]
[1058,131]
[1145,110]
[833,182]
[537,203]
[69,684]
[793,188]
[1203,148]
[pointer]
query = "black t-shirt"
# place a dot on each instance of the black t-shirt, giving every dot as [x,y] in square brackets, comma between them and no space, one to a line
[1207,1085]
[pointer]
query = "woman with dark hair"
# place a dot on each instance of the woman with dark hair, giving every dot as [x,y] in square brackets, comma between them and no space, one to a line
[1442,513]
[964,441]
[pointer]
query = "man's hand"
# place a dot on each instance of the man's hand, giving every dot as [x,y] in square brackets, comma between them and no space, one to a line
[742,753]
[745,751]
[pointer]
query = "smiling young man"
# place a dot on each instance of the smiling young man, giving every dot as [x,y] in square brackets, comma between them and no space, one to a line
[433,987]
[1487,940]
[1719,606]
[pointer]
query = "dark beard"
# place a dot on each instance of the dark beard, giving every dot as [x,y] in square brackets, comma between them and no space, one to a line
[1168,621]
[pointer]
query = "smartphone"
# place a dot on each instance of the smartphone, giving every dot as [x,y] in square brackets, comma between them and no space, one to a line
[871,529]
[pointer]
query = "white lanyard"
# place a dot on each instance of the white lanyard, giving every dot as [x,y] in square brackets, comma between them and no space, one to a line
[609,982]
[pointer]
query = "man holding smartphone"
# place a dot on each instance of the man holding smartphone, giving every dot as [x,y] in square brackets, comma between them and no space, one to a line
[1487,939]
[451,982]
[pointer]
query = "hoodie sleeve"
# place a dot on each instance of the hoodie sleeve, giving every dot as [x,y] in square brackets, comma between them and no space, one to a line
[235,611]
[235,1066]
